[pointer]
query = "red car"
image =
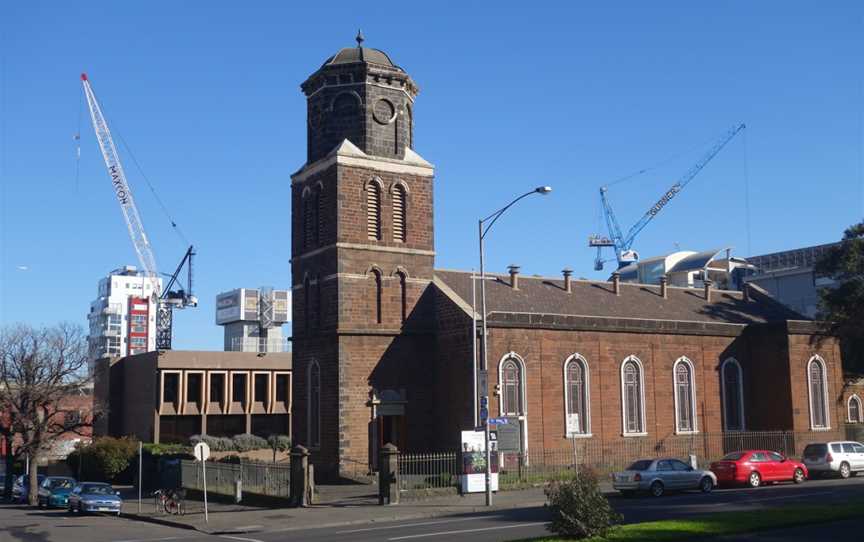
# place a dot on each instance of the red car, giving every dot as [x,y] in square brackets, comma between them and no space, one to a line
[755,467]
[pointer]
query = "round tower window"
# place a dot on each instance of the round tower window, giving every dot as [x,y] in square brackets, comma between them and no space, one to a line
[384,112]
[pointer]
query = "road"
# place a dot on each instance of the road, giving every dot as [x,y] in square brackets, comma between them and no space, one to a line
[22,524]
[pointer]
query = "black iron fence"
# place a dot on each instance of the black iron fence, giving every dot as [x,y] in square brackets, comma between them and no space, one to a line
[272,480]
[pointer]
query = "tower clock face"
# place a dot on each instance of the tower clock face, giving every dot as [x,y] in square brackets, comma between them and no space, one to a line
[383,112]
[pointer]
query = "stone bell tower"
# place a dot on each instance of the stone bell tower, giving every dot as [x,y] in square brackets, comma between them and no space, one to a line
[362,258]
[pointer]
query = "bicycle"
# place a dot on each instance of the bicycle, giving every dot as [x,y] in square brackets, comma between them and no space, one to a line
[170,501]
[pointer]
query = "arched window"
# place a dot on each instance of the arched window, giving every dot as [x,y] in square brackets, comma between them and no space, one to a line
[576,396]
[410,118]
[373,210]
[376,275]
[307,304]
[632,396]
[314,412]
[403,291]
[818,386]
[685,397]
[319,214]
[319,306]
[853,408]
[399,203]
[512,399]
[308,219]
[732,383]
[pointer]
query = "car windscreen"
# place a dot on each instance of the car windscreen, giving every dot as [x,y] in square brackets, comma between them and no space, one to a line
[815,450]
[98,490]
[734,456]
[62,483]
[642,464]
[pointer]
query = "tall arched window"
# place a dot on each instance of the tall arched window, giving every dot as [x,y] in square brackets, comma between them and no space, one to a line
[685,396]
[576,396]
[373,210]
[307,304]
[319,214]
[632,397]
[376,276]
[399,215]
[512,399]
[319,306]
[313,424]
[818,386]
[732,383]
[853,408]
[308,219]
[403,294]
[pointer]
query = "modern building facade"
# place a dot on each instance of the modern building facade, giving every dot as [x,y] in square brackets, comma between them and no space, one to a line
[253,318]
[383,341]
[122,318]
[170,395]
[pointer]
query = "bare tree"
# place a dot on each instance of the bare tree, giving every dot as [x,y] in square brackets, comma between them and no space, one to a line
[40,369]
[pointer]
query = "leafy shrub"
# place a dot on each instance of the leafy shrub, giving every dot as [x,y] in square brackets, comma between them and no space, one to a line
[104,459]
[280,443]
[579,509]
[153,449]
[233,458]
[247,442]
[216,444]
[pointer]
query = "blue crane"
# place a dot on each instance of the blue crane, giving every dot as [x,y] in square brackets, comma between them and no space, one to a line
[623,243]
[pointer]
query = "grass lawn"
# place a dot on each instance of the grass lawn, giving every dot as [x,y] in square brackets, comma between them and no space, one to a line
[725,523]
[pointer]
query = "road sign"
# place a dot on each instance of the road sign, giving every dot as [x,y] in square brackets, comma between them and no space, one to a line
[498,421]
[573,427]
[484,413]
[483,382]
[484,401]
[201,451]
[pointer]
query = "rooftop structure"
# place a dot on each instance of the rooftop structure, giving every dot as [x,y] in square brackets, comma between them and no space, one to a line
[253,319]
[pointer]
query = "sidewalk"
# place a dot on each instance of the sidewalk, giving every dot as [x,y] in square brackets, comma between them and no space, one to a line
[352,506]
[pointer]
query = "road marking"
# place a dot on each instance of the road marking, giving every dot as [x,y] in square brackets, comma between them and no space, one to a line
[153,539]
[796,496]
[413,525]
[241,538]
[463,531]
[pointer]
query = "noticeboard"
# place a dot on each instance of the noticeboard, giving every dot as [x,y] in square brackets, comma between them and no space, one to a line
[510,437]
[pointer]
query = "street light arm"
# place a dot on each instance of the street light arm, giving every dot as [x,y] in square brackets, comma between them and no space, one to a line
[497,214]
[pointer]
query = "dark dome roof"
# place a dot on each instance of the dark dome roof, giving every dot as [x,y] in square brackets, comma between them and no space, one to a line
[350,55]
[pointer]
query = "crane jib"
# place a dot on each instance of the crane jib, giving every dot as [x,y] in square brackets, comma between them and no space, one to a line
[119,186]
[665,199]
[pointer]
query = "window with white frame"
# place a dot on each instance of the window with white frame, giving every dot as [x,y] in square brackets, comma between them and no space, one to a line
[314,413]
[632,396]
[576,395]
[818,387]
[685,396]
[732,382]
[511,387]
[853,408]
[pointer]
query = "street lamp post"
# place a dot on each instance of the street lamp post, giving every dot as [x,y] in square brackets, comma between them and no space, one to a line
[482,230]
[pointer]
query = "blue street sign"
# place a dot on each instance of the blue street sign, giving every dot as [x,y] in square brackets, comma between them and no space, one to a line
[484,413]
[498,421]
[484,401]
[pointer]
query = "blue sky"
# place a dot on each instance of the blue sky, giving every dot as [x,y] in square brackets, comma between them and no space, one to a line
[570,94]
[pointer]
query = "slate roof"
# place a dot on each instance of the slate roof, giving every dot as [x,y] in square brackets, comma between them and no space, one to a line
[540,295]
[351,55]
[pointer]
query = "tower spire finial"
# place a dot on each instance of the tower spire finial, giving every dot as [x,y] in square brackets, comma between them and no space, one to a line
[360,39]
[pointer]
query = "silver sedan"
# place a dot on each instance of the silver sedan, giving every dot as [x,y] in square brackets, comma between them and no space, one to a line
[657,476]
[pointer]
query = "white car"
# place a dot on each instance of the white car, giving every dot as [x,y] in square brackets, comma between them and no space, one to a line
[843,457]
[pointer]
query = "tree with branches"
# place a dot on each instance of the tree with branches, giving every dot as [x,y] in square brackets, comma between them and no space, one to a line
[40,369]
[842,304]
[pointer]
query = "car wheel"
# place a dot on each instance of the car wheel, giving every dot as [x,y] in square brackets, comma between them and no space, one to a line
[657,489]
[754,480]
[798,476]
[706,485]
[844,470]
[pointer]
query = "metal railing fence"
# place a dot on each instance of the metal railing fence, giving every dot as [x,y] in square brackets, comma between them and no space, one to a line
[425,473]
[260,478]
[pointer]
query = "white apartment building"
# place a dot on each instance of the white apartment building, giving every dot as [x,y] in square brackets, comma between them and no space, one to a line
[123,316]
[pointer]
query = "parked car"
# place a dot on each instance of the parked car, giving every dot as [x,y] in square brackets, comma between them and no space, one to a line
[21,488]
[756,467]
[54,491]
[656,476]
[94,497]
[845,458]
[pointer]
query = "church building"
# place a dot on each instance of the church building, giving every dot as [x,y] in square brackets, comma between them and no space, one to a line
[382,347]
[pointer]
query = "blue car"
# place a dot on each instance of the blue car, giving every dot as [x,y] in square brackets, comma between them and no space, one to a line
[94,497]
[21,489]
[54,491]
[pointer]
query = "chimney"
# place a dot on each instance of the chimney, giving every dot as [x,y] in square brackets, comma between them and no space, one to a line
[663,285]
[514,276]
[746,291]
[567,273]
[708,283]
[616,283]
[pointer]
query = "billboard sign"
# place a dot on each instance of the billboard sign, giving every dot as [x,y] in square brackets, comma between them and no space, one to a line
[228,307]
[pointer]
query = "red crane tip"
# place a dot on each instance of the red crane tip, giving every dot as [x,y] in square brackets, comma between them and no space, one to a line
[83,76]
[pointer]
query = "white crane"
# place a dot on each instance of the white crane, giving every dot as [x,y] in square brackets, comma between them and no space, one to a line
[168,299]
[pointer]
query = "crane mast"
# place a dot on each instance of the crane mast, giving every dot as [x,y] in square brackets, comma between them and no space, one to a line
[165,299]
[621,243]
